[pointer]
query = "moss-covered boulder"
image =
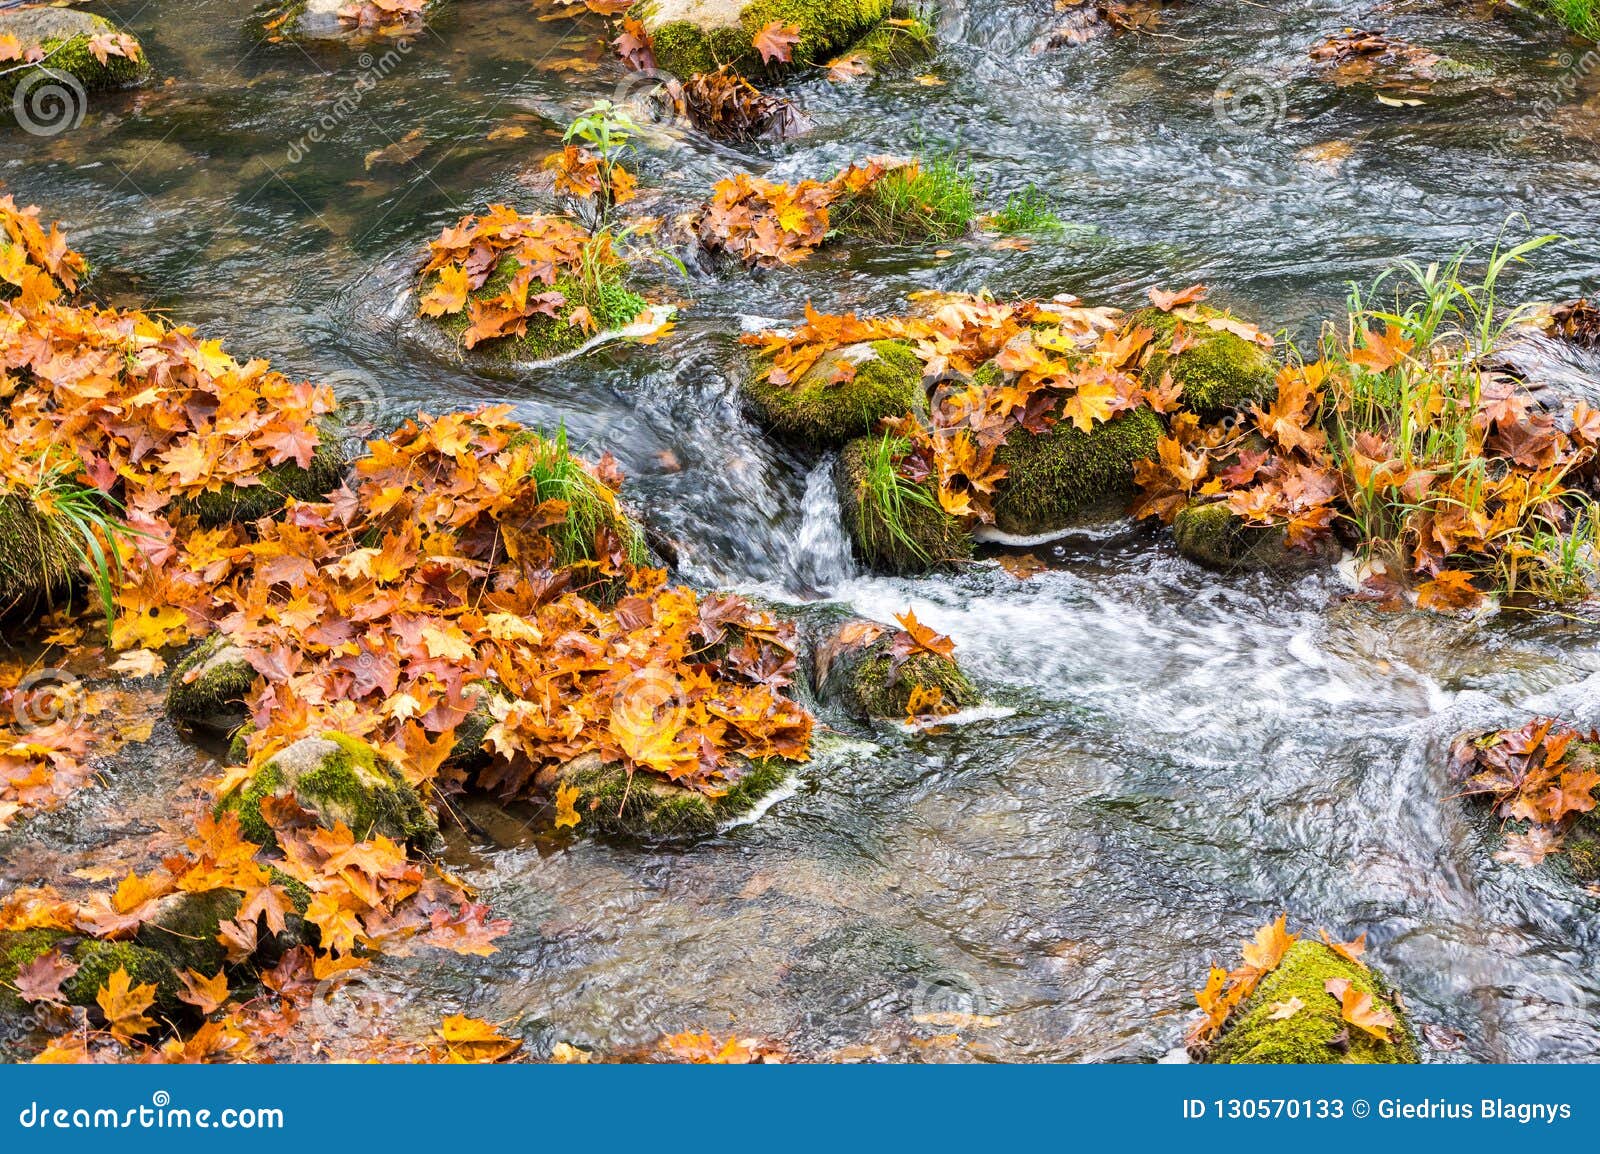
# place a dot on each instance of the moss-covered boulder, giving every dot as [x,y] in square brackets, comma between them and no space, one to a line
[38,558]
[896,525]
[612,307]
[648,808]
[307,20]
[1211,535]
[1219,371]
[208,687]
[690,36]
[62,36]
[17,949]
[855,671]
[98,960]
[1316,1032]
[339,778]
[844,395]
[183,927]
[1057,478]
[240,504]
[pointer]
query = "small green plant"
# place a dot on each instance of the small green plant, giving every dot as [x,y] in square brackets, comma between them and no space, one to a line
[1027,212]
[1582,16]
[927,200]
[91,522]
[890,500]
[607,131]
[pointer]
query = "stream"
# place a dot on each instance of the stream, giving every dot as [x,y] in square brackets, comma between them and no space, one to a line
[1173,756]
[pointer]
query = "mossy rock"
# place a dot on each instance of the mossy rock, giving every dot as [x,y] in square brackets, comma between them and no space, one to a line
[1056,478]
[468,751]
[339,778]
[208,687]
[928,201]
[1213,536]
[17,949]
[98,960]
[612,306]
[308,20]
[650,809]
[243,504]
[690,36]
[917,537]
[1220,372]
[860,678]
[820,411]
[63,35]
[38,559]
[1314,1033]
[183,927]
[899,45]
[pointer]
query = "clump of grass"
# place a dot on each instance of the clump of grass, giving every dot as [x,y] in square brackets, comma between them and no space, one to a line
[933,199]
[591,507]
[1027,212]
[895,500]
[1582,16]
[1538,535]
[90,522]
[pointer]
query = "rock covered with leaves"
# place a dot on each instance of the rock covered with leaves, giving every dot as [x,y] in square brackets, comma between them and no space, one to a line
[1540,779]
[37,43]
[754,36]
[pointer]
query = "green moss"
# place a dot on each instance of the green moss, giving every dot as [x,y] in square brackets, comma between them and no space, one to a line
[97,961]
[340,779]
[821,412]
[861,679]
[299,893]
[1211,535]
[1253,1036]
[184,927]
[891,46]
[1219,372]
[610,303]
[38,563]
[64,37]
[17,949]
[896,525]
[826,28]
[242,504]
[1054,478]
[214,699]
[651,809]
[933,200]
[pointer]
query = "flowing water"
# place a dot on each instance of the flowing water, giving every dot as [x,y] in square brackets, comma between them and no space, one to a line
[1173,756]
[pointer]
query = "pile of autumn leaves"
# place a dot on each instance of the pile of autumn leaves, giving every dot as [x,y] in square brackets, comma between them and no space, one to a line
[1542,776]
[768,224]
[427,586]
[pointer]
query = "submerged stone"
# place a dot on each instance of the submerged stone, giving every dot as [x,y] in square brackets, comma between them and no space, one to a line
[1316,1032]
[1213,536]
[1057,478]
[1219,371]
[647,808]
[690,36]
[844,395]
[340,779]
[209,686]
[311,20]
[895,525]
[896,45]
[63,36]
[182,928]
[856,673]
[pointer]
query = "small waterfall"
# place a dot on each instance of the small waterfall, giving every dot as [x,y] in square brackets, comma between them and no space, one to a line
[819,555]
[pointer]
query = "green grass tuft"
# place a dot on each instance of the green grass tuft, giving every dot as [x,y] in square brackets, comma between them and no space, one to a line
[1028,212]
[931,200]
